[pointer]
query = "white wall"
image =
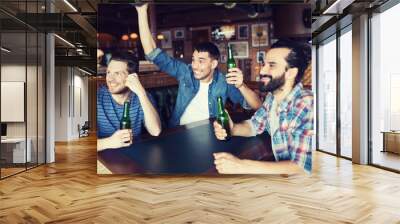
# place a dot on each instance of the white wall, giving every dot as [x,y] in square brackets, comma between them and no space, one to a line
[16,73]
[61,103]
[34,124]
[12,73]
[71,94]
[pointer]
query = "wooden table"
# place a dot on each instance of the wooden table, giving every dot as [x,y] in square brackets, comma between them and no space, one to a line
[184,150]
[391,141]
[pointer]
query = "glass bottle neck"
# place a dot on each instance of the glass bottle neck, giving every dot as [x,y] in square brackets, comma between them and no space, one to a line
[230,53]
[220,106]
[126,110]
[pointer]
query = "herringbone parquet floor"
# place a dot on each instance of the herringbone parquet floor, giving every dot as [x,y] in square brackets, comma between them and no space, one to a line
[70,191]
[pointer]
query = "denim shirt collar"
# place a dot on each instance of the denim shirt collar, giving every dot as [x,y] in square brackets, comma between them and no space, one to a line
[196,82]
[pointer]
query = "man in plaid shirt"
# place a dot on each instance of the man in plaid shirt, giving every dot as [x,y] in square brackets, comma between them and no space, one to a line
[286,114]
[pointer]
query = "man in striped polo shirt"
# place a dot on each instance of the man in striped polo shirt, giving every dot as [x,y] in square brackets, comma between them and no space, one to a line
[123,84]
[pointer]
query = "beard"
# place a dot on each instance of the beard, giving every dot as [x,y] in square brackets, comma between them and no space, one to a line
[272,85]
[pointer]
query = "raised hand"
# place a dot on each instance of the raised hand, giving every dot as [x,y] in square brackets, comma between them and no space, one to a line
[235,77]
[141,7]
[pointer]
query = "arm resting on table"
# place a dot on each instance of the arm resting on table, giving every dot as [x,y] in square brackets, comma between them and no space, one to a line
[264,167]
[103,144]
[243,129]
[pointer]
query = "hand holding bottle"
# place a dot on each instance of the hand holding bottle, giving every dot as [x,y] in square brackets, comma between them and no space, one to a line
[223,125]
[120,138]
[235,77]
[220,133]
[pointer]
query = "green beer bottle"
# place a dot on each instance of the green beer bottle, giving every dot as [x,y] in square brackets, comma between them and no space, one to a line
[126,120]
[222,118]
[230,61]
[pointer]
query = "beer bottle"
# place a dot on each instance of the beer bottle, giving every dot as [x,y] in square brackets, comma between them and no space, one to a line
[230,61]
[222,118]
[126,120]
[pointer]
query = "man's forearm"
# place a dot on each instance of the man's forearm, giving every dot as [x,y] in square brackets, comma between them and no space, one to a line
[102,144]
[146,38]
[243,129]
[151,118]
[251,97]
[264,167]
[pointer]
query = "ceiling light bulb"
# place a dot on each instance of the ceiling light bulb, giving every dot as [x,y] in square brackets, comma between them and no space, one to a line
[133,36]
[160,37]
[125,37]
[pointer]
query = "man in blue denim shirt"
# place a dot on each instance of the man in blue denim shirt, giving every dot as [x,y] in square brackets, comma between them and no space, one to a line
[199,83]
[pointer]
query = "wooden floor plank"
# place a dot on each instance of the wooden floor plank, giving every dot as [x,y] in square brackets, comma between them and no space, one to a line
[70,191]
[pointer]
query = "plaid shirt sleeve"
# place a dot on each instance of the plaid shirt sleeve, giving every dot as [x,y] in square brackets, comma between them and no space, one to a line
[300,147]
[259,120]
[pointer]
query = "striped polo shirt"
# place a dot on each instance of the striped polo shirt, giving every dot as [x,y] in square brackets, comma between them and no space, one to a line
[109,113]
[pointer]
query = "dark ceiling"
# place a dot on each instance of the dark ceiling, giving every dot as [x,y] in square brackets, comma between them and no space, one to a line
[81,27]
[117,19]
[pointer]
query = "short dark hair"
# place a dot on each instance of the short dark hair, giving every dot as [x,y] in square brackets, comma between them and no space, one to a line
[208,47]
[131,60]
[299,56]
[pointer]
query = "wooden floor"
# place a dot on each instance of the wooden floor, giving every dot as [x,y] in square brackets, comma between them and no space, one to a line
[70,191]
[5,172]
[10,171]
